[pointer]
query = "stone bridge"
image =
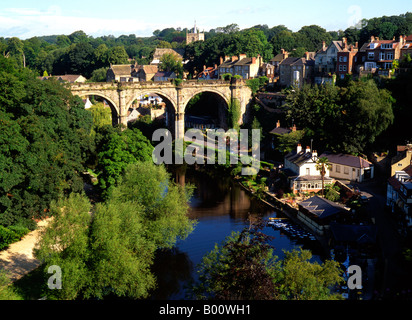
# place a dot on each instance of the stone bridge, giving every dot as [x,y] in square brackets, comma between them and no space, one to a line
[121,96]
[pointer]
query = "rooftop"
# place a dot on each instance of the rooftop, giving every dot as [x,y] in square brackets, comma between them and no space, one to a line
[321,207]
[347,160]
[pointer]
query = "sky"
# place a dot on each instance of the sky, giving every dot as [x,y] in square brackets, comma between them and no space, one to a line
[27,18]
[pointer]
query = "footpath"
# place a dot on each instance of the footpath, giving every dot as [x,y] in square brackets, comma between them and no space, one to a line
[18,259]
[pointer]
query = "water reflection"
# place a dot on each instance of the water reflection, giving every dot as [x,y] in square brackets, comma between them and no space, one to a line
[220,206]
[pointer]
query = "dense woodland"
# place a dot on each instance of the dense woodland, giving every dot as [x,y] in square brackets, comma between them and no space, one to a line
[48,141]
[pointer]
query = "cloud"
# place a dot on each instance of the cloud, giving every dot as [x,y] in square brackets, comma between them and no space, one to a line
[26,23]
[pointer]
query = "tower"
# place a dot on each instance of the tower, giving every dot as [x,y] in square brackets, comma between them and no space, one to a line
[195,35]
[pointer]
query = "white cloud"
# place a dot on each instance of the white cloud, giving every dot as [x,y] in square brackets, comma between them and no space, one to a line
[25,23]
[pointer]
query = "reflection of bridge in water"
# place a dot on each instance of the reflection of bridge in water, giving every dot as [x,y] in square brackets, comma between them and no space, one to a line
[121,96]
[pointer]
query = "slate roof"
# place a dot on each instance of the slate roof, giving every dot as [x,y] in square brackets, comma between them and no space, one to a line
[354,233]
[321,207]
[347,160]
[298,158]
[313,178]
[280,130]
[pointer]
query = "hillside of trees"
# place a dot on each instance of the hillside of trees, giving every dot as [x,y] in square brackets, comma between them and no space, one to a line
[79,53]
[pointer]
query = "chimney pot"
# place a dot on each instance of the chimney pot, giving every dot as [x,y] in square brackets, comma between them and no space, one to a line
[299,148]
[307,149]
[278,124]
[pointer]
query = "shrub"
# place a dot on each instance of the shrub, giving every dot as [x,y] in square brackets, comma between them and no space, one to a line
[20,231]
[7,237]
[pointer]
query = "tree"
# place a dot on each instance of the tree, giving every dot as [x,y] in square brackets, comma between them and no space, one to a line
[239,269]
[118,55]
[172,63]
[323,164]
[6,290]
[110,254]
[244,267]
[118,149]
[287,142]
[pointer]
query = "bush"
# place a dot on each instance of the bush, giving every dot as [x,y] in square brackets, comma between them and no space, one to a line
[7,237]
[20,231]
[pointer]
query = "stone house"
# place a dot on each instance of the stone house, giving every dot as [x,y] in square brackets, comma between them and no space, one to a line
[208,73]
[407,46]
[276,60]
[296,71]
[247,68]
[159,52]
[164,76]
[144,72]
[326,61]
[119,72]
[348,167]
[71,78]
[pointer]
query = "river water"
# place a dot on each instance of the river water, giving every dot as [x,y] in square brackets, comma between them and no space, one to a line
[220,206]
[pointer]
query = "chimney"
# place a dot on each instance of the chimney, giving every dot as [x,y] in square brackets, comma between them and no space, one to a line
[278,124]
[323,45]
[307,55]
[377,38]
[314,153]
[253,60]
[356,44]
[282,51]
[234,58]
[299,148]
[400,40]
[345,43]
[204,67]
[307,149]
[242,56]
[221,60]
[294,127]
[372,38]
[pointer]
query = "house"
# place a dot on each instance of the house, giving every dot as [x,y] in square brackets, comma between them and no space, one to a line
[159,52]
[281,130]
[71,78]
[345,59]
[276,60]
[326,61]
[402,159]
[300,168]
[348,167]
[267,70]
[318,213]
[399,196]
[407,46]
[144,72]
[208,73]
[164,76]
[379,54]
[119,72]
[241,65]
[296,71]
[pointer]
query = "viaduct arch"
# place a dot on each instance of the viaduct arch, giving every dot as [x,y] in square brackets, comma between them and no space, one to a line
[122,94]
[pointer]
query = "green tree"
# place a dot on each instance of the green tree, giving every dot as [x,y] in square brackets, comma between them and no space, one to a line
[7,292]
[287,142]
[118,149]
[322,165]
[172,63]
[110,254]
[244,267]
[118,55]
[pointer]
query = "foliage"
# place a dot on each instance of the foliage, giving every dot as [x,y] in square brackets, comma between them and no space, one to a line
[238,269]
[102,115]
[234,114]
[287,142]
[7,292]
[322,165]
[244,267]
[336,116]
[116,150]
[44,141]
[111,254]
[172,63]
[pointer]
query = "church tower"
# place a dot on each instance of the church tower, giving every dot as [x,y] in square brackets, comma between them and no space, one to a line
[195,35]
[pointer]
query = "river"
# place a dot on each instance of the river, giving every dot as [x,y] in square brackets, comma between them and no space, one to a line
[220,206]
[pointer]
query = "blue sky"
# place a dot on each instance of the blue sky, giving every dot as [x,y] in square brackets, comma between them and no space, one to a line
[28,18]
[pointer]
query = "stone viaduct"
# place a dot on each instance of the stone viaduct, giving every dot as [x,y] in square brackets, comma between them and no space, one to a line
[121,95]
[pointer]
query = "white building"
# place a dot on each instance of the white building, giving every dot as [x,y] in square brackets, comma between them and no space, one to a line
[300,167]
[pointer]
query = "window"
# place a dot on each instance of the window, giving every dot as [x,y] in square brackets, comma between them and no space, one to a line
[308,171]
[338,168]
[389,56]
[346,170]
[371,55]
[344,68]
[382,56]
[340,59]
